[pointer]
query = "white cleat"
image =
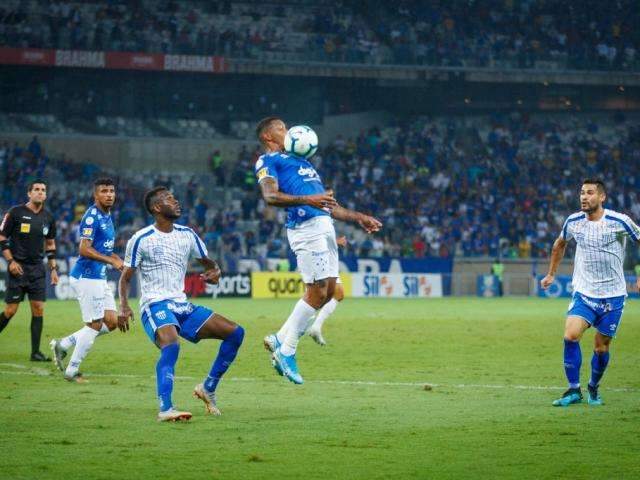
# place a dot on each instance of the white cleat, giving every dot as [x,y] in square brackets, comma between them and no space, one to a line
[271,342]
[209,399]
[58,354]
[75,378]
[317,337]
[173,415]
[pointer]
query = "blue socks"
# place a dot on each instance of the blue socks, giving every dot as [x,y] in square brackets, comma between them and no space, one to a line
[226,355]
[599,363]
[572,362]
[164,374]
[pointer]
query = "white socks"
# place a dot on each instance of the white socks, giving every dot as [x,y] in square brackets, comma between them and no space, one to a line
[295,326]
[84,339]
[103,329]
[323,314]
[67,342]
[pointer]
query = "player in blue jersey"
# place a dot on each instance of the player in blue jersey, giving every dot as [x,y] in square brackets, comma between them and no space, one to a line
[88,279]
[291,182]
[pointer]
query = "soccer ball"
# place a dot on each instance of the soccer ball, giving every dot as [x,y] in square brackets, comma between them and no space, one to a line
[301,141]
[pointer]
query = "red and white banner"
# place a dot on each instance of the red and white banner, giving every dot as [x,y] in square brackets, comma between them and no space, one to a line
[112,60]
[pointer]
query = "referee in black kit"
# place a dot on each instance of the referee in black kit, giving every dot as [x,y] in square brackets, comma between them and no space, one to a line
[28,232]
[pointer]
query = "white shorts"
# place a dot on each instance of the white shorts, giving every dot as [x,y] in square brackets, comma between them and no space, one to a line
[316,249]
[95,297]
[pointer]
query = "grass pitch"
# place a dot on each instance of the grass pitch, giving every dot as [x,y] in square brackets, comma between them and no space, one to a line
[492,368]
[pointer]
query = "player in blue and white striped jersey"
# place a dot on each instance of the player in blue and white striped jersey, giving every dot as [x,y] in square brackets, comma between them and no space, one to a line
[599,285]
[161,252]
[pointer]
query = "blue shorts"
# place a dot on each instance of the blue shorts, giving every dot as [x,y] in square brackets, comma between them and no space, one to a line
[187,318]
[602,313]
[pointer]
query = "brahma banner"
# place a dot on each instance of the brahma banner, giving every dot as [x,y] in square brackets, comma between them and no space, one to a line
[396,285]
[112,60]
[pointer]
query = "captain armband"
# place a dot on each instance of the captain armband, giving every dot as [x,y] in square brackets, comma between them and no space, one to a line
[4,244]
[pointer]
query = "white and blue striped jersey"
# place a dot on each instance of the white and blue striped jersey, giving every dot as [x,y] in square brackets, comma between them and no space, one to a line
[598,267]
[162,260]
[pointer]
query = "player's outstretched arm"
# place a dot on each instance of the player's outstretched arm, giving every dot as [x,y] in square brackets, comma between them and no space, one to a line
[86,250]
[212,270]
[557,253]
[274,197]
[368,223]
[125,313]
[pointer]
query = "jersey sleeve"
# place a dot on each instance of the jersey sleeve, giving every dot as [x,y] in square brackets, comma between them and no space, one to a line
[132,255]
[89,225]
[7,225]
[266,167]
[198,248]
[633,230]
[566,234]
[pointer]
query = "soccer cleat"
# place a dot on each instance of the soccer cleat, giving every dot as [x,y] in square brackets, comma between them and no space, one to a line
[39,357]
[287,364]
[594,398]
[173,415]
[271,342]
[317,337]
[58,354]
[209,399]
[276,366]
[75,378]
[573,395]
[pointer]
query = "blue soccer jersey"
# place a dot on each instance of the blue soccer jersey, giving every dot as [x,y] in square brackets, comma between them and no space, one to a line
[295,176]
[96,226]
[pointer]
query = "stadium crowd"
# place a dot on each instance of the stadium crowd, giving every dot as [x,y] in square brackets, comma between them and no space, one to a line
[498,186]
[511,34]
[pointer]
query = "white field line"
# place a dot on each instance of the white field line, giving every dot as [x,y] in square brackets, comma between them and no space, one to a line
[32,371]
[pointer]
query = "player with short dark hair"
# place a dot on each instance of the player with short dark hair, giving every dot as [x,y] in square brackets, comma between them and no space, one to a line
[598,281]
[27,234]
[88,279]
[161,253]
[291,182]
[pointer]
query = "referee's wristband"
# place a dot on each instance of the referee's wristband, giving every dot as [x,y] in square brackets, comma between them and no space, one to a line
[51,254]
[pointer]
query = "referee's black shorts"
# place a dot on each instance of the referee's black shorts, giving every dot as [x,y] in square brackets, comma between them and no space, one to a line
[32,282]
